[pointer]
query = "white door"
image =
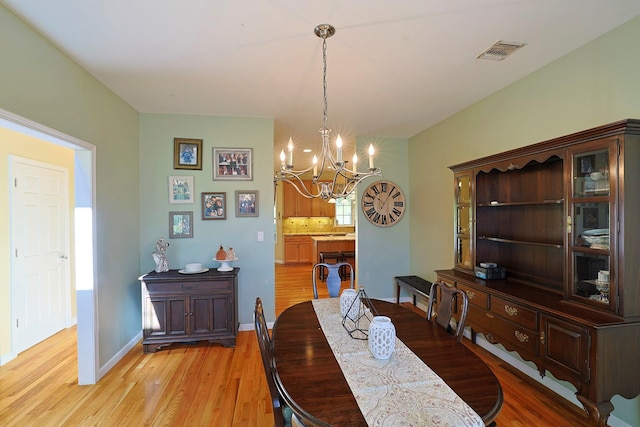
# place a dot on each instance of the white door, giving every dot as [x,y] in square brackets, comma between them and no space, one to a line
[40,267]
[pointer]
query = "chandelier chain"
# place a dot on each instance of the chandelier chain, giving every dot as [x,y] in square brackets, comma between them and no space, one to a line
[324,82]
[344,180]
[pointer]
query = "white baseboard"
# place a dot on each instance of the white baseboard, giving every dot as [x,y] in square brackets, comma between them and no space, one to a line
[118,356]
[6,358]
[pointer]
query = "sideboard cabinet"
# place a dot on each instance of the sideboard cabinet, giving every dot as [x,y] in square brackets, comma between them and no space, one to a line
[553,215]
[189,308]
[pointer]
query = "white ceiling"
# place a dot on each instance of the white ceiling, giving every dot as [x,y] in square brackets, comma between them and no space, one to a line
[394,67]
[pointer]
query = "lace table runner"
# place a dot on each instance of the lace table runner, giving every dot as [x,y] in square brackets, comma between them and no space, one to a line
[399,391]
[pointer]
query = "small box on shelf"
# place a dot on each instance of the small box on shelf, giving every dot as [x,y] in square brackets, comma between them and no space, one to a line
[490,273]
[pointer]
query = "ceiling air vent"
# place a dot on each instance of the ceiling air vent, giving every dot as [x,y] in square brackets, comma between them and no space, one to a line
[500,50]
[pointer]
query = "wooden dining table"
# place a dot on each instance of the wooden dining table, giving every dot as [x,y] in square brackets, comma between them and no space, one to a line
[313,385]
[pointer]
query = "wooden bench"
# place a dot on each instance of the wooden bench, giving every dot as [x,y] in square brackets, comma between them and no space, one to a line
[414,284]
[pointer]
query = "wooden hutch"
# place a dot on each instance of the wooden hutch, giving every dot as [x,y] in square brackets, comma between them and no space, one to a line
[561,217]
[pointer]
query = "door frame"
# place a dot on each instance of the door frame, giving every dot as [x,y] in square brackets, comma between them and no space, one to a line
[86,292]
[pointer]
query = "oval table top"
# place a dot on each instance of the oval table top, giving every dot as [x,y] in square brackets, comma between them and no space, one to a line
[313,385]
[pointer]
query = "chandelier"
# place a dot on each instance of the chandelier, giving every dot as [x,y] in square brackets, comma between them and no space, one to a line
[343,180]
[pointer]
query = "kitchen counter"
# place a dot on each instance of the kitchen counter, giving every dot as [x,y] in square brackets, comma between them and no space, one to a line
[332,238]
[311,233]
[332,244]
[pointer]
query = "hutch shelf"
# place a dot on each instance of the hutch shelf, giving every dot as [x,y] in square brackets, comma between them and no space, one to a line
[553,215]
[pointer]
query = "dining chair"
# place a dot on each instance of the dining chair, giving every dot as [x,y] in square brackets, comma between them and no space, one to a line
[446,307]
[282,414]
[334,281]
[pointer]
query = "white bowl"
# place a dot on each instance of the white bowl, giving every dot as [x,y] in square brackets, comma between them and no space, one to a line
[194,266]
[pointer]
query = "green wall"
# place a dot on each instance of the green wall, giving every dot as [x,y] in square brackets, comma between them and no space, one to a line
[593,85]
[40,83]
[382,252]
[255,259]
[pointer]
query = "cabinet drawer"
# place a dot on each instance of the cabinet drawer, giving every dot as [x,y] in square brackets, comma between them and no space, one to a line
[477,298]
[513,336]
[515,313]
[181,286]
[477,319]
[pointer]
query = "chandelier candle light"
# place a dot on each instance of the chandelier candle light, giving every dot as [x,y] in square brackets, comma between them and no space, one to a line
[344,180]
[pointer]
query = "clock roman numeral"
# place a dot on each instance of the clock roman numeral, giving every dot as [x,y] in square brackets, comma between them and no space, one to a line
[384,187]
[370,212]
[368,204]
[396,194]
[399,204]
[396,211]
[375,190]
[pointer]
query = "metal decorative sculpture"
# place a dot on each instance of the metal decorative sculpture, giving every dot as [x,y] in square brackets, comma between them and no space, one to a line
[160,256]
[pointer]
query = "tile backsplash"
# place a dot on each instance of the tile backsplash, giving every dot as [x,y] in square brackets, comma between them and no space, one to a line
[313,225]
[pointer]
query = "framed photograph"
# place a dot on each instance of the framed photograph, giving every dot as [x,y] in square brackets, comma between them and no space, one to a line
[246,203]
[181,189]
[180,224]
[589,185]
[233,164]
[587,164]
[590,218]
[187,153]
[214,205]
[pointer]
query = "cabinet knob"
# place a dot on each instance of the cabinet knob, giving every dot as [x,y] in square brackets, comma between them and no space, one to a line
[542,337]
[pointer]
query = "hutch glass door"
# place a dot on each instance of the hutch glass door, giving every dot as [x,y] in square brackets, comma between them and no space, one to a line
[590,223]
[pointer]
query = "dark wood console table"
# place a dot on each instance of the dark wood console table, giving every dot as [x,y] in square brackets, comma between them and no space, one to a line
[189,308]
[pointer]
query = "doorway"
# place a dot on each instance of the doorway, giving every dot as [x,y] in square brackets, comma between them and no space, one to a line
[84,185]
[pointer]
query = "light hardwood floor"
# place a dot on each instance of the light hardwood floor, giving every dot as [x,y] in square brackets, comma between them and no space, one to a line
[203,384]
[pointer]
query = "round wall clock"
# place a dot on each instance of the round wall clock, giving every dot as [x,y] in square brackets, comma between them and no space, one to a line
[383,203]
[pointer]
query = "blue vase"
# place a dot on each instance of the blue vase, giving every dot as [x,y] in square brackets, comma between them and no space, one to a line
[333,280]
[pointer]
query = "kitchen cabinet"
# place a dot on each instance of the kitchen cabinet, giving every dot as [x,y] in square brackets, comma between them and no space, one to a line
[188,308]
[322,208]
[296,205]
[297,250]
[553,215]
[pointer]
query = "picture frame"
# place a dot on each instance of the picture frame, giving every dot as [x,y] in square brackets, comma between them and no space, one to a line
[187,153]
[246,203]
[590,218]
[214,205]
[181,189]
[587,164]
[180,225]
[233,164]
[589,185]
